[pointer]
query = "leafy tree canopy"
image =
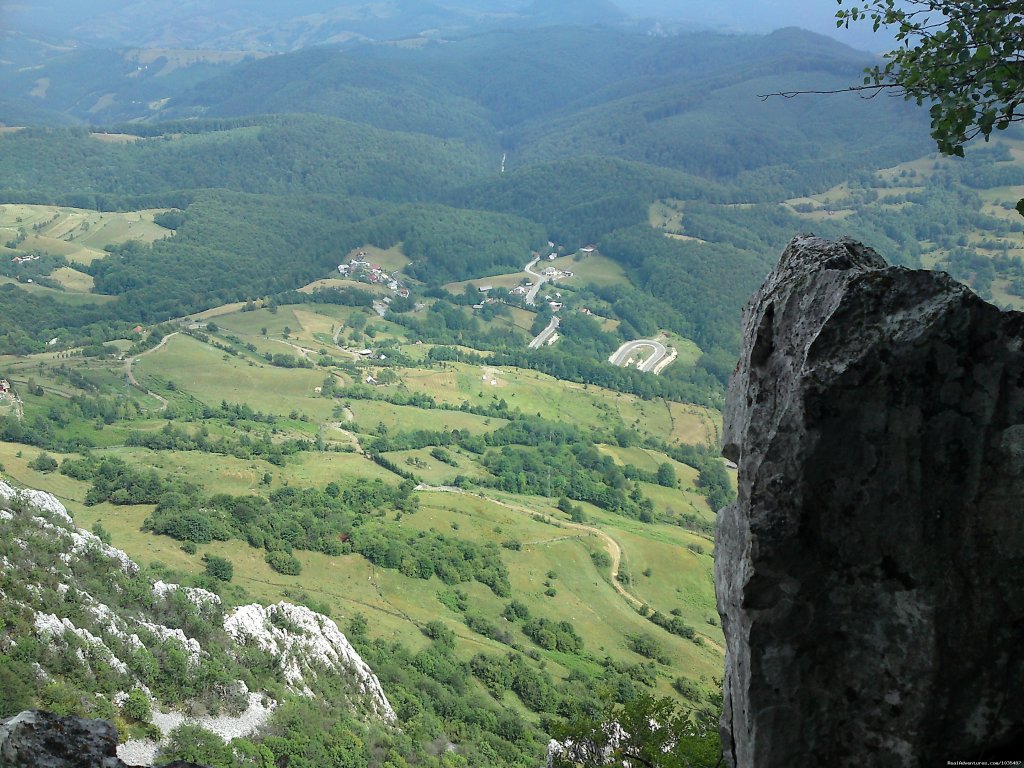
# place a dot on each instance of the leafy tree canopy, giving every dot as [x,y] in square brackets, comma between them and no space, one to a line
[965,57]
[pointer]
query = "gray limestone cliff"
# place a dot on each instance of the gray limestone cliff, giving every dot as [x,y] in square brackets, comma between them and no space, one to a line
[870,574]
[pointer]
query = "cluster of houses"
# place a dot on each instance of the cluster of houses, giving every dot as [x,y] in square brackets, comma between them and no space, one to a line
[374,273]
[26,258]
[5,388]
[553,274]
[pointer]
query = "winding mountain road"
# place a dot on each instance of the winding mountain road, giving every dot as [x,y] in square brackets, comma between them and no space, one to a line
[542,338]
[539,280]
[624,354]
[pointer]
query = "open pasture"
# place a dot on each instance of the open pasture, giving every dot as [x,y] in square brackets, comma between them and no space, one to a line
[592,268]
[369,414]
[65,297]
[77,233]
[434,472]
[392,259]
[559,557]
[338,282]
[73,280]
[212,376]
[649,461]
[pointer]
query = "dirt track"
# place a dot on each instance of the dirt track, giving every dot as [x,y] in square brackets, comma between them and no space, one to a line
[130,361]
[610,545]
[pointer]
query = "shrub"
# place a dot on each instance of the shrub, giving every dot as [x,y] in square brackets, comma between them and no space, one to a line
[44,462]
[137,707]
[284,562]
[601,559]
[436,630]
[219,568]
[516,610]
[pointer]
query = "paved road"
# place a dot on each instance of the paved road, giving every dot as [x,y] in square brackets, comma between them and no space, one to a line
[542,338]
[626,351]
[538,281]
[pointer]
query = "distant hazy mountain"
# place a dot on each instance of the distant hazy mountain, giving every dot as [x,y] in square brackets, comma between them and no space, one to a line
[263,25]
[278,26]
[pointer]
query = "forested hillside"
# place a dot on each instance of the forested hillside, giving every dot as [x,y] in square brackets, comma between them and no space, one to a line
[596,126]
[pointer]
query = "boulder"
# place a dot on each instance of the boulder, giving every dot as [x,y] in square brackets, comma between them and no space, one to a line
[870,575]
[35,739]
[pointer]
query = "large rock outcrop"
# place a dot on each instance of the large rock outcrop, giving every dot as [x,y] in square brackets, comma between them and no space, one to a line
[871,573]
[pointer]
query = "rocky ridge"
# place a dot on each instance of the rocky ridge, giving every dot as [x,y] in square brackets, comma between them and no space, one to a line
[870,574]
[39,535]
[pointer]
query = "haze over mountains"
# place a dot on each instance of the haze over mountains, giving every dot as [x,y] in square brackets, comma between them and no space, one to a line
[263,25]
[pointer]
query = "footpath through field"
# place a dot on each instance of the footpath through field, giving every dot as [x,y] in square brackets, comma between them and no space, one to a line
[130,361]
[610,544]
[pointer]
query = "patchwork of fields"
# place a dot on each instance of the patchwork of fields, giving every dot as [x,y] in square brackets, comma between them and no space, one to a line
[442,423]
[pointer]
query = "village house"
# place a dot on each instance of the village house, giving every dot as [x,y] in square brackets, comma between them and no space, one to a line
[5,386]
[344,268]
[485,288]
[588,249]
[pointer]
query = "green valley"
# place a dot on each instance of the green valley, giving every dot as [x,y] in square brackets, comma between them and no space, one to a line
[351,326]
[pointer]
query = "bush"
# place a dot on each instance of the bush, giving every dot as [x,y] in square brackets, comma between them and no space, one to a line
[44,462]
[137,707]
[284,562]
[601,559]
[219,568]
[101,533]
[436,630]
[516,610]
[553,635]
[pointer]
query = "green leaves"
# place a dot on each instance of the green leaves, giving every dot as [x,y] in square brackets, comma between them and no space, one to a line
[963,58]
